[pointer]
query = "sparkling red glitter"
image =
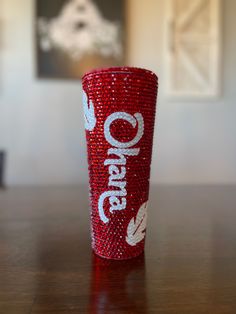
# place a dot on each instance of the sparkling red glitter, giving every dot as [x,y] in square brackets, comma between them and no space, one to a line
[127,91]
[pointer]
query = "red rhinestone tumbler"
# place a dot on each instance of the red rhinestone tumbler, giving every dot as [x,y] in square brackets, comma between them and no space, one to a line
[119,109]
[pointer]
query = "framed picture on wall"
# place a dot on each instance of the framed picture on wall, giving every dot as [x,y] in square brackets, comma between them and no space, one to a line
[193,48]
[75,36]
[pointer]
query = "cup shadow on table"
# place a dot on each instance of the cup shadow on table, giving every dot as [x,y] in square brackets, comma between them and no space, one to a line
[118,286]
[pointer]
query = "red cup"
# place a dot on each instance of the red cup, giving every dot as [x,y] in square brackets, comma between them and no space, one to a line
[119,109]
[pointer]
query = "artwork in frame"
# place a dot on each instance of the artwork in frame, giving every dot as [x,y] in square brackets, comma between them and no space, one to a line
[75,36]
[193,48]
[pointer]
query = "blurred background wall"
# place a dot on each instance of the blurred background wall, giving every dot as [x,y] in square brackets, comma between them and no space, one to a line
[41,121]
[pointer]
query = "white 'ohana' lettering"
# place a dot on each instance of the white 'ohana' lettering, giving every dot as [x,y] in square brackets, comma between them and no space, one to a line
[117,165]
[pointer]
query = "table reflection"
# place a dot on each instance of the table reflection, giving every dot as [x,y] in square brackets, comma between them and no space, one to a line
[118,286]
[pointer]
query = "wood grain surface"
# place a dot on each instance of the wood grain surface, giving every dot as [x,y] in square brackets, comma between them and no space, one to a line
[189,266]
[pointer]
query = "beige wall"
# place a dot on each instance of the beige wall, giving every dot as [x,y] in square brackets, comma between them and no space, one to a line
[41,123]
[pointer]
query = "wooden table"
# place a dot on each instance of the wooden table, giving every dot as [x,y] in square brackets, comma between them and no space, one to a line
[46,265]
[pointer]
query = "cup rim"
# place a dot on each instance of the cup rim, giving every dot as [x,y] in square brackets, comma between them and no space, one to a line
[121,69]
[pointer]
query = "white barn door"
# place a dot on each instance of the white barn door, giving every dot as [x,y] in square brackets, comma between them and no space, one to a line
[193,48]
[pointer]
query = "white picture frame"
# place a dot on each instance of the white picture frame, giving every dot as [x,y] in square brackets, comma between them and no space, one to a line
[193,49]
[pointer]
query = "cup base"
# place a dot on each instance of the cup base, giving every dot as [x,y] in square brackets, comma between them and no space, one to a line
[120,258]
